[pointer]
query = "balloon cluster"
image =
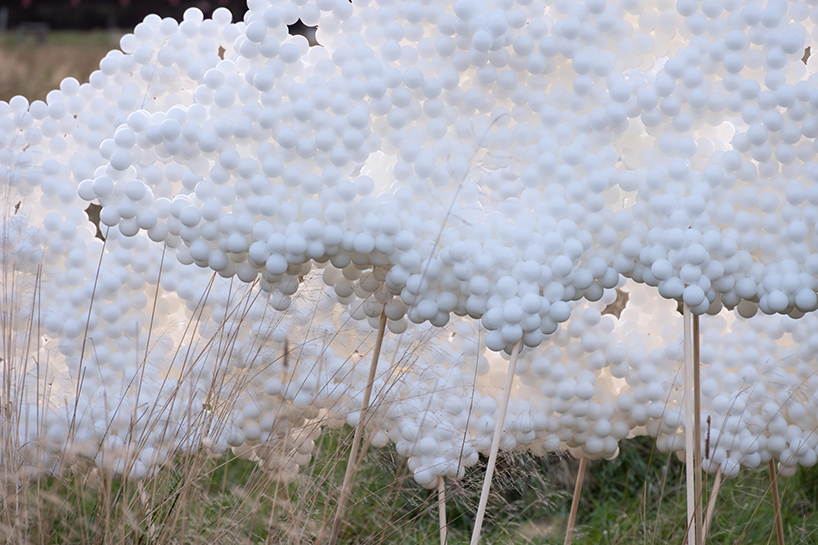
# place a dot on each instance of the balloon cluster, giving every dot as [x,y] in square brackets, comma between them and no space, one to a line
[482,173]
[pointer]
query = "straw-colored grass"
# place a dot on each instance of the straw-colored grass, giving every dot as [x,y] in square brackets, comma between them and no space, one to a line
[32,70]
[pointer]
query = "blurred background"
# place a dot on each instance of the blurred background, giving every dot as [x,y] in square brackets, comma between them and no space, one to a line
[105,14]
[44,41]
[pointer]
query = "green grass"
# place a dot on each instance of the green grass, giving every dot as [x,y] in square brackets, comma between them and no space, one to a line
[637,498]
[640,498]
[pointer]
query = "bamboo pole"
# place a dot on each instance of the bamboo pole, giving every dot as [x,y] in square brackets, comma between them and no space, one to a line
[711,505]
[495,445]
[441,510]
[779,525]
[352,464]
[572,518]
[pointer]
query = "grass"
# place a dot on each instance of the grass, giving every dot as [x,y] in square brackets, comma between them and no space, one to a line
[635,499]
[32,70]
[640,498]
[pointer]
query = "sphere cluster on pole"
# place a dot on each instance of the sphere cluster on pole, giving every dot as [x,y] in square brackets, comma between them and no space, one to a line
[484,173]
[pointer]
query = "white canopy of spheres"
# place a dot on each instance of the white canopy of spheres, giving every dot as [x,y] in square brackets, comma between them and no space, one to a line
[453,164]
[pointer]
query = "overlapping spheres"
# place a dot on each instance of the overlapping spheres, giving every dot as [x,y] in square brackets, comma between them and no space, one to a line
[483,173]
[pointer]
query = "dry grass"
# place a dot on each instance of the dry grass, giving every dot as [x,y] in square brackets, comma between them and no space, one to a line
[32,70]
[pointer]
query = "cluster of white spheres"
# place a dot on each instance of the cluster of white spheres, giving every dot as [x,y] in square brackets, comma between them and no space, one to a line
[495,168]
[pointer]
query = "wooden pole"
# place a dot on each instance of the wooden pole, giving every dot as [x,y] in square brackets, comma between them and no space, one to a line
[352,464]
[691,535]
[572,518]
[495,445]
[441,510]
[711,505]
[779,524]
[697,429]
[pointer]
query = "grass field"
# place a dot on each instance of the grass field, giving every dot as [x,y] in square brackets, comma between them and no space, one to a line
[31,69]
[637,498]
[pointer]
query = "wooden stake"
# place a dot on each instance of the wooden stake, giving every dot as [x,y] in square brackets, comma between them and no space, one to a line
[441,510]
[711,505]
[572,518]
[779,524]
[691,536]
[352,464]
[495,445]
[697,429]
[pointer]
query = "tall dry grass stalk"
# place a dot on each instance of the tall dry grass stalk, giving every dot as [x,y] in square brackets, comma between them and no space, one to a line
[711,505]
[352,464]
